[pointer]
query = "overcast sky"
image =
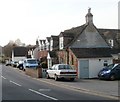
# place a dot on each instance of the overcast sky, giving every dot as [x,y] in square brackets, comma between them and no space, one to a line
[28,19]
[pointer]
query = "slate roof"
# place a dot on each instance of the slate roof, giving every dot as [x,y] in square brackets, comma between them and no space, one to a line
[115,51]
[91,52]
[72,33]
[75,30]
[105,33]
[20,51]
[111,34]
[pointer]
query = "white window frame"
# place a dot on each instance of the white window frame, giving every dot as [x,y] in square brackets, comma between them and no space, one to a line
[47,45]
[111,42]
[51,44]
[61,43]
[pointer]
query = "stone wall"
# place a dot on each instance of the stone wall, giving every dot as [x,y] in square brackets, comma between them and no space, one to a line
[34,72]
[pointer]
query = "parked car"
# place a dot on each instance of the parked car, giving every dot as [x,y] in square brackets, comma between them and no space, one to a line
[61,71]
[20,65]
[30,63]
[14,63]
[111,72]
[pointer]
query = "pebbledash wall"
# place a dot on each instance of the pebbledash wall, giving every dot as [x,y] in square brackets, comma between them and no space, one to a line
[95,65]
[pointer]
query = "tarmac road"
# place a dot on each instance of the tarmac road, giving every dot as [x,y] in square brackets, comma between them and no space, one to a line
[18,86]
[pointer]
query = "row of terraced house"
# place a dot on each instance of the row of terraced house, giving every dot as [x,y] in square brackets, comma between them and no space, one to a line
[86,48]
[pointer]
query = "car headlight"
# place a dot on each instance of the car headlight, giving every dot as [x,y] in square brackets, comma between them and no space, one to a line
[105,72]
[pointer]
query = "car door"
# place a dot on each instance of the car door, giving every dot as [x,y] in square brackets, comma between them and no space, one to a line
[51,71]
[54,70]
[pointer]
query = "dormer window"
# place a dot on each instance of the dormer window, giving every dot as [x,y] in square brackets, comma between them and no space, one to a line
[111,42]
[61,43]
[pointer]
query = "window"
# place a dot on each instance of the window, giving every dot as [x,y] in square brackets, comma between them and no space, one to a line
[111,42]
[64,67]
[32,61]
[118,67]
[105,63]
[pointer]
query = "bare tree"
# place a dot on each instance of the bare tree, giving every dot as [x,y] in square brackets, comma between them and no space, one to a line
[7,49]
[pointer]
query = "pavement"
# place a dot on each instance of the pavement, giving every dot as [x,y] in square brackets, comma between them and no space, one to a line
[93,86]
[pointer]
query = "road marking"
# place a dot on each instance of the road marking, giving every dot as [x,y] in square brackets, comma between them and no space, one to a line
[15,83]
[44,89]
[42,94]
[80,90]
[3,77]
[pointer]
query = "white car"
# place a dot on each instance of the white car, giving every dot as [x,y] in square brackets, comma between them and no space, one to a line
[61,71]
[30,63]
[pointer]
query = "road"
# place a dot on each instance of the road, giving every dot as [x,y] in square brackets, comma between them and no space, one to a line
[18,86]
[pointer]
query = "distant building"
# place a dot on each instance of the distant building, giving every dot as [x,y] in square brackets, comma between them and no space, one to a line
[19,53]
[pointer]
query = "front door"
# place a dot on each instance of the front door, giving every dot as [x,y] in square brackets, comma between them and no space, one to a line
[84,68]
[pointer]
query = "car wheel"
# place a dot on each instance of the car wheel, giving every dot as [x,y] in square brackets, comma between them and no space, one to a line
[112,77]
[56,78]
[47,76]
[23,69]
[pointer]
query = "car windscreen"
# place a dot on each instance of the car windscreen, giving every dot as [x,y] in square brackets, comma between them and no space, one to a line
[32,61]
[65,67]
[110,66]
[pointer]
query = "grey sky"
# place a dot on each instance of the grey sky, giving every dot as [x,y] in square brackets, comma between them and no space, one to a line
[28,19]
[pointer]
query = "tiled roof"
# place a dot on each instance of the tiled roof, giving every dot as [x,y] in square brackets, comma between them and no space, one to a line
[105,33]
[67,34]
[91,52]
[73,32]
[111,34]
[115,51]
